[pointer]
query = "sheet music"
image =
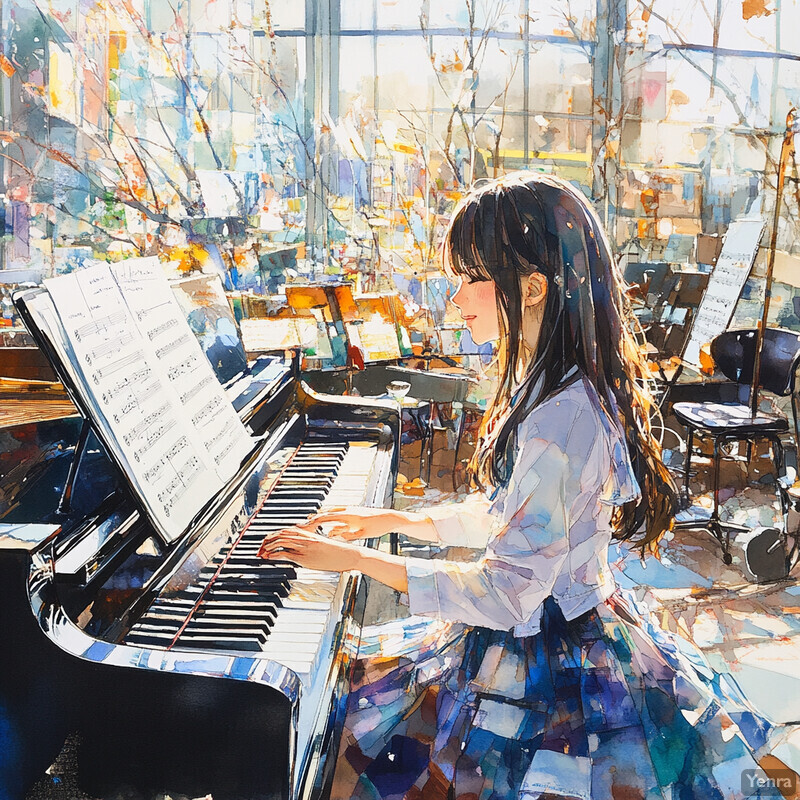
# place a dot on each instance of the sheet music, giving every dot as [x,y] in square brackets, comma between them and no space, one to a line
[725,285]
[127,390]
[376,337]
[188,374]
[265,335]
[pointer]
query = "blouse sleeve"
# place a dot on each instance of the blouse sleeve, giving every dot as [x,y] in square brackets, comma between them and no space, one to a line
[520,565]
[463,524]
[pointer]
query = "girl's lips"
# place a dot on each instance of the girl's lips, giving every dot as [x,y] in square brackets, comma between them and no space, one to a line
[467,319]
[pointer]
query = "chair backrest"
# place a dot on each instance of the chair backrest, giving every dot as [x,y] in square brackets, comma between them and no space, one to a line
[734,354]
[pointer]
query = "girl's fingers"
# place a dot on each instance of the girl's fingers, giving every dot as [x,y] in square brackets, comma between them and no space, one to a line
[313,525]
[345,532]
[327,516]
[280,544]
[296,531]
[278,552]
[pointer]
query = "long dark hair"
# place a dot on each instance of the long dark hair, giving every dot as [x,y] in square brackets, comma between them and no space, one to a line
[529,222]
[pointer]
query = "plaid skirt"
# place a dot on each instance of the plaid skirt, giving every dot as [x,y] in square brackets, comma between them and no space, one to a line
[604,706]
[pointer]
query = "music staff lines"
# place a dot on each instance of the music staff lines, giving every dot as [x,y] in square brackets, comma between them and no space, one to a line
[138,430]
[198,387]
[224,452]
[153,437]
[121,363]
[162,328]
[101,325]
[221,435]
[135,386]
[151,474]
[140,375]
[179,485]
[144,313]
[187,365]
[207,410]
[109,347]
[173,345]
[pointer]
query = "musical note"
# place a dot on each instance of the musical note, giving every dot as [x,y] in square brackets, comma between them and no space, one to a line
[226,431]
[133,386]
[162,328]
[126,408]
[224,452]
[153,437]
[140,315]
[188,395]
[209,408]
[150,475]
[137,430]
[178,486]
[189,468]
[187,365]
[173,345]
[181,444]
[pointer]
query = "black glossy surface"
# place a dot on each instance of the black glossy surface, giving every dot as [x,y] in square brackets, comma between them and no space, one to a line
[734,354]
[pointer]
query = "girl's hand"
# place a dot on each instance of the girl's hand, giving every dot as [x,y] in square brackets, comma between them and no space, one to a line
[354,523]
[313,551]
[310,550]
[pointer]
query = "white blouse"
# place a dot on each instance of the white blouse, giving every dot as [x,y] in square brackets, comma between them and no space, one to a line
[546,533]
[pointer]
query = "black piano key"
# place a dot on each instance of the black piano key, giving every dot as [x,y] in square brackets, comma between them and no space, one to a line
[246,599]
[163,618]
[255,568]
[227,627]
[250,560]
[287,507]
[273,591]
[253,571]
[214,643]
[173,606]
[232,612]
[297,480]
[256,584]
[299,487]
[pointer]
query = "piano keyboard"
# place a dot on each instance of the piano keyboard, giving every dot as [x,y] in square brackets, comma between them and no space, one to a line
[240,602]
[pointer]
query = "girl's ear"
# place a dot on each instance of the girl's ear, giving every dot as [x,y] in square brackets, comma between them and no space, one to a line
[534,289]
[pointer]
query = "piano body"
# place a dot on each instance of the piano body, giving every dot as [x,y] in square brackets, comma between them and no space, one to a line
[190,667]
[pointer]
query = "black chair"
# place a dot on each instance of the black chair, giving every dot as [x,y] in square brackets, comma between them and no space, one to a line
[734,355]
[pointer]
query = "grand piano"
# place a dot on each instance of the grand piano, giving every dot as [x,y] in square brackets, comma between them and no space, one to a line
[191,667]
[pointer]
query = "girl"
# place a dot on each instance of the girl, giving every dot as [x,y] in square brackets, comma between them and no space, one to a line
[537,678]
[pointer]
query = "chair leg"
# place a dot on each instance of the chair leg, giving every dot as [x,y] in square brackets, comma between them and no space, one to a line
[779,460]
[722,533]
[429,456]
[459,434]
[687,466]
